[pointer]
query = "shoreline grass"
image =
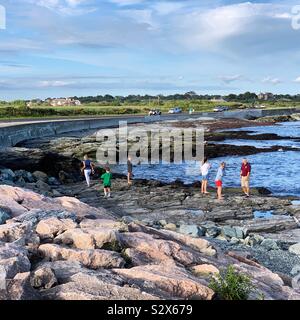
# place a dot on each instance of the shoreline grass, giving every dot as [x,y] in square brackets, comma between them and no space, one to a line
[8,112]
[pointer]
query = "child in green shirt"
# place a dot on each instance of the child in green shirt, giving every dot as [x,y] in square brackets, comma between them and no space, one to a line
[106,177]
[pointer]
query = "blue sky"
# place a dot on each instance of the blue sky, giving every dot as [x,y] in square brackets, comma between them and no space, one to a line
[53,48]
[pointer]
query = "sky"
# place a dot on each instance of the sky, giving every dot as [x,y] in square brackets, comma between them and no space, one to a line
[60,48]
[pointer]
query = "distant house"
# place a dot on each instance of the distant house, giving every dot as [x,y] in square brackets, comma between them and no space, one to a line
[62,102]
[266,96]
[34,102]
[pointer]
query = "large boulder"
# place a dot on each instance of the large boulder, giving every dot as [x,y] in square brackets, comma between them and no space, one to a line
[173,282]
[13,260]
[100,286]
[51,227]
[93,259]
[157,249]
[76,237]
[15,231]
[21,201]
[20,288]
[43,278]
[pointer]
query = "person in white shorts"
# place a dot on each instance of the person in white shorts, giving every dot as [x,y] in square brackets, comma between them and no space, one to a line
[205,167]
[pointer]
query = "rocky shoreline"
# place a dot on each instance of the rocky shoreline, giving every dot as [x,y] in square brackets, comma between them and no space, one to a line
[153,240]
[63,249]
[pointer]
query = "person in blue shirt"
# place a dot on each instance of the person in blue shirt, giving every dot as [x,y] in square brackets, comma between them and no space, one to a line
[219,180]
[88,169]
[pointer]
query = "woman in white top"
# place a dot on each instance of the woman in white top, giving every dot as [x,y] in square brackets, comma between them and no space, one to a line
[205,167]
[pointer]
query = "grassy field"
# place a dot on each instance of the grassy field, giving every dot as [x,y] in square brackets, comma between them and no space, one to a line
[13,112]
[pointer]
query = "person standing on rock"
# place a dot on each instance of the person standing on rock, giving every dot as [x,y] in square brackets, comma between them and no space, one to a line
[88,169]
[205,167]
[245,177]
[219,180]
[129,171]
[106,177]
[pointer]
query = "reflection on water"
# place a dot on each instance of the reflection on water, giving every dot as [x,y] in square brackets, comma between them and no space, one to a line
[263,214]
[284,129]
[264,144]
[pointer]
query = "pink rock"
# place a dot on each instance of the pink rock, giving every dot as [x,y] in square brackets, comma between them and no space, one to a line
[205,269]
[78,238]
[21,201]
[51,227]
[174,281]
[156,249]
[93,259]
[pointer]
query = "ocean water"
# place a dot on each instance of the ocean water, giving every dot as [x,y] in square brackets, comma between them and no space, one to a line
[277,171]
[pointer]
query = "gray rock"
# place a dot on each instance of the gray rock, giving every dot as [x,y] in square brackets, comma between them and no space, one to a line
[43,187]
[52,181]
[43,278]
[39,175]
[295,248]
[163,222]
[20,288]
[228,231]
[21,182]
[270,244]
[190,230]
[7,174]
[13,260]
[211,229]
[240,232]
[5,214]
[257,239]
[127,219]
[27,176]
[234,240]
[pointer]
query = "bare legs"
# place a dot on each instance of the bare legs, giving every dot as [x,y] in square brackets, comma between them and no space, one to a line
[204,187]
[107,192]
[129,176]
[219,193]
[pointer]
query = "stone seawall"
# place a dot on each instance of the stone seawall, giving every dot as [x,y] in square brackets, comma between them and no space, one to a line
[13,133]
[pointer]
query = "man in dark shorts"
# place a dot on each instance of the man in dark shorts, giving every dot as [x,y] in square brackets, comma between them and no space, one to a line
[129,171]
[245,177]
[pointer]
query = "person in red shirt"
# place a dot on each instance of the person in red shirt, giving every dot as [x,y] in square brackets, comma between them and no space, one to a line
[245,177]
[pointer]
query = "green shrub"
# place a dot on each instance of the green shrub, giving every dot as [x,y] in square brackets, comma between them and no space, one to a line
[231,285]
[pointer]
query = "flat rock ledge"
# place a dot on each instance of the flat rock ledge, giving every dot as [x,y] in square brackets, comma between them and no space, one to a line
[62,249]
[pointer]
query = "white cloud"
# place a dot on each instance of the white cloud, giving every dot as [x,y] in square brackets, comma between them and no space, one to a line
[297,80]
[230,79]
[139,16]
[165,8]
[66,7]
[271,80]
[245,25]
[54,83]
[126,2]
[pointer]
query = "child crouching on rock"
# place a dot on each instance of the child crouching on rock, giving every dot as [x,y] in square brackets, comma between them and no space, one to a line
[106,177]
